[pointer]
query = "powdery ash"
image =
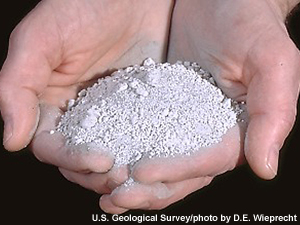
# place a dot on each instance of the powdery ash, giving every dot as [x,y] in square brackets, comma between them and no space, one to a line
[153,110]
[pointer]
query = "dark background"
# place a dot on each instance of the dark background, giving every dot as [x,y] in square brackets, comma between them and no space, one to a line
[33,191]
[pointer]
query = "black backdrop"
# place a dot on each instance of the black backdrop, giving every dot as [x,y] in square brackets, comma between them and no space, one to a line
[33,191]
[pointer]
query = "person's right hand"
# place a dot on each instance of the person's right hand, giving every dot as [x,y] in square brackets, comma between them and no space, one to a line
[57,49]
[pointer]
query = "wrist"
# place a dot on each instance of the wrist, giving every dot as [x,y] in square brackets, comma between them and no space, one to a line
[284,7]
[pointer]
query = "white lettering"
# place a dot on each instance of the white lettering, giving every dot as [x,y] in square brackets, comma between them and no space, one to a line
[191,218]
[271,219]
[132,218]
[225,218]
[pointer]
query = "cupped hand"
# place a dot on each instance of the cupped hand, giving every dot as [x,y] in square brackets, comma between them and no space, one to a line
[60,47]
[246,47]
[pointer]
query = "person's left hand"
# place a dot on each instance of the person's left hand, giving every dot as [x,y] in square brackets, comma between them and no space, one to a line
[245,45]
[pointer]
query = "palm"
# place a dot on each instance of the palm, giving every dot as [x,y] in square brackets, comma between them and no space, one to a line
[90,39]
[228,46]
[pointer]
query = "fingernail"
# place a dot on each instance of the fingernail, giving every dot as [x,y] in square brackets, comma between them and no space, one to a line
[144,205]
[8,131]
[273,157]
[161,191]
[112,184]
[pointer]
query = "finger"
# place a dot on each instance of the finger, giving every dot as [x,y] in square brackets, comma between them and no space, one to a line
[272,100]
[156,196]
[19,88]
[19,127]
[108,206]
[23,77]
[51,147]
[209,161]
[102,183]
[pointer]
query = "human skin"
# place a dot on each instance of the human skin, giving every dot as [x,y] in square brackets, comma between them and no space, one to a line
[251,56]
[246,47]
[40,80]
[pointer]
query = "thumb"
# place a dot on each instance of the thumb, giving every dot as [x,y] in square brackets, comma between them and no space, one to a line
[272,100]
[23,77]
[20,112]
[20,85]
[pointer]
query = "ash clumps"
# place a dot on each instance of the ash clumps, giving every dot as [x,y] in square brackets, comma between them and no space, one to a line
[153,110]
